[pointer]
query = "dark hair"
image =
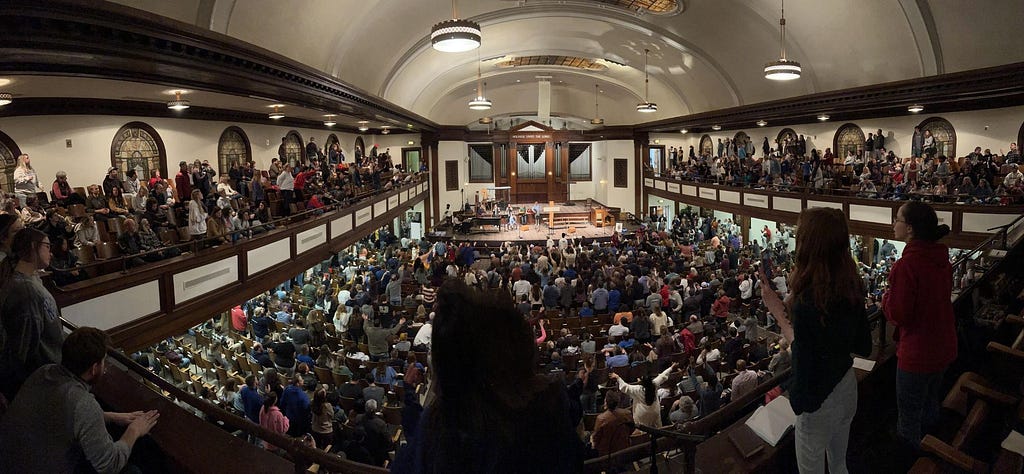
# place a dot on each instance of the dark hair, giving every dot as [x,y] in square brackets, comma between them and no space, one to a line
[611,400]
[921,217]
[6,222]
[650,392]
[25,243]
[82,348]
[269,400]
[479,389]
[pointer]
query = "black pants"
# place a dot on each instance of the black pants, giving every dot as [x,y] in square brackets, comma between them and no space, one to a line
[286,197]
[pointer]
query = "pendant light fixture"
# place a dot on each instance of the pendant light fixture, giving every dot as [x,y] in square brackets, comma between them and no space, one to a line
[646,106]
[178,103]
[276,114]
[455,35]
[480,102]
[597,120]
[783,69]
[915,108]
[330,122]
[5,98]
[363,126]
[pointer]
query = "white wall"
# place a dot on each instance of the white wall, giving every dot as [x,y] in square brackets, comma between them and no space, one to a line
[993,128]
[43,137]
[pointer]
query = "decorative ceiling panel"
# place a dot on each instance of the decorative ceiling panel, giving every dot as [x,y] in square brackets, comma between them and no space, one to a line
[563,61]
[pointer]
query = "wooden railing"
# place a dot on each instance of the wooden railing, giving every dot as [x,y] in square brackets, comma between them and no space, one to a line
[139,306]
[969,223]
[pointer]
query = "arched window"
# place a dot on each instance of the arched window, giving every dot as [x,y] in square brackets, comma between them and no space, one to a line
[294,152]
[137,146]
[331,140]
[848,137]
[945,136]
[359,149]
[787,138]
[740,139]
[232,148]
[9,152]
[707,146]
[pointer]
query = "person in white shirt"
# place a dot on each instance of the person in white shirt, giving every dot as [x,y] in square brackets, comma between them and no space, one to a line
[744,382]
[618,330]
[746,288]
[521,288]
[1014,178]
[423,335]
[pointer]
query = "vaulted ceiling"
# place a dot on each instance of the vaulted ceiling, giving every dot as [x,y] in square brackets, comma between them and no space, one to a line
[705,54]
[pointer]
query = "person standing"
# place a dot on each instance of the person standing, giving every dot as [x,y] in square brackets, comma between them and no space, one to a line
[56,425]
[26,182]
[918,304]
[29,317]
[825,321]
[286,182]
[917,143]
[197,216]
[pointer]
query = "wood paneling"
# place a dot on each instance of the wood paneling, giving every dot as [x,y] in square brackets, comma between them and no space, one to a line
[451,175]
[620,173]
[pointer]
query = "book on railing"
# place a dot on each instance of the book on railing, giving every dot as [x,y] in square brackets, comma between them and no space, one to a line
[772,421]
[863,364]
[746,441]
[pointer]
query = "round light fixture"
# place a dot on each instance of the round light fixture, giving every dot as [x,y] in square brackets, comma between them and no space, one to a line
[716,127]
[480,103]
[455,35]
[647,107]
[6,98]
[915,108]
[782,70]
[276,114]
[597,121]
[823,117]
[485,120]
[761,123]
[178,103]
[385,130]
[330,122]
[684,131]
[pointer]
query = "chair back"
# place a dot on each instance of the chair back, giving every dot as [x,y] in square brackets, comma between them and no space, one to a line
[108,250]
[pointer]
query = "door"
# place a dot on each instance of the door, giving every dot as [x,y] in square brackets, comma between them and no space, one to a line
[411,159]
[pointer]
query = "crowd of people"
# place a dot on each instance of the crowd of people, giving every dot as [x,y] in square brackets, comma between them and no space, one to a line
[980,177]
[684,333]
[135,214]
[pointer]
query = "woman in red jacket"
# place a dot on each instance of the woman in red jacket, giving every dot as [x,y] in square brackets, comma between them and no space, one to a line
[918,305]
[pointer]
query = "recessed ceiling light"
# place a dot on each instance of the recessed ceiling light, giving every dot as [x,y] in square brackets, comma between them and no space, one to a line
[716,127]
[915,108]
[823,117]
[519,80]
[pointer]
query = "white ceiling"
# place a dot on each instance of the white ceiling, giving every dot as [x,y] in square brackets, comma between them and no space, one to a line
[708,56]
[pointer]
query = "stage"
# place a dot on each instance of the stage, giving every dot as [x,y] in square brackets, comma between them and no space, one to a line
[562,218]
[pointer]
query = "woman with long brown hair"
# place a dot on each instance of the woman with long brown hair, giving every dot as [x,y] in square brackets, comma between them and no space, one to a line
[824,318]
[29,317]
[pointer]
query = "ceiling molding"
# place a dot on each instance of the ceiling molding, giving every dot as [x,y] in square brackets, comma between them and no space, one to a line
[98,39]
[128,108]
[595,12]
[987,88]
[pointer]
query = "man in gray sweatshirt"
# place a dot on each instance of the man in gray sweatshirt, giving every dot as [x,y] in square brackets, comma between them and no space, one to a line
[55,424]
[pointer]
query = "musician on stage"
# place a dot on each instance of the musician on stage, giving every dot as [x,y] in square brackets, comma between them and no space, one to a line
[512,224]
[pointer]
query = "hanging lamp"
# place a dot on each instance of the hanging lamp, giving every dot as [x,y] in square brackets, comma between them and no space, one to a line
[646,106]
[783,69]
[480,102]
[597,120]
[455,35]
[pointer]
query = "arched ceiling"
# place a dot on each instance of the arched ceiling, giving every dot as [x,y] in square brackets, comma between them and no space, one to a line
[705,55]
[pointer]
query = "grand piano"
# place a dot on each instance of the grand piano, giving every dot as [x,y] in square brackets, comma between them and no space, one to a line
[471,223]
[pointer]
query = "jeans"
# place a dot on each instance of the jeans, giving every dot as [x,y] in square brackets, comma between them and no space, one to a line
[917,399]
[825,432]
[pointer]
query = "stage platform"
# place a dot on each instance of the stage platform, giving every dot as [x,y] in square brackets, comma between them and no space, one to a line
[575,215]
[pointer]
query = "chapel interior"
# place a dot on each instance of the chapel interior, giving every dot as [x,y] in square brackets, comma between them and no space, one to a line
[482,122]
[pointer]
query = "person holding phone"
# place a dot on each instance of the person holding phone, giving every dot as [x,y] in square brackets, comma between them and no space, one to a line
[824,320]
